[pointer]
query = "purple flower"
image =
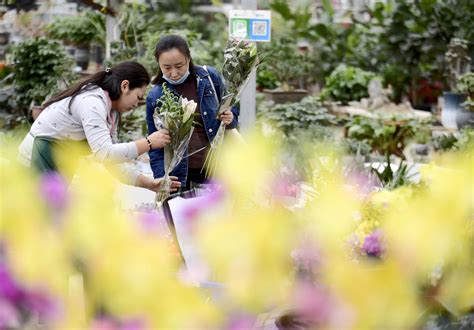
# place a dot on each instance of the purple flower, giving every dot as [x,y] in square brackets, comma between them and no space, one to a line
[13,297]
[39,302]
[373,244]
[9,288]
[53,187]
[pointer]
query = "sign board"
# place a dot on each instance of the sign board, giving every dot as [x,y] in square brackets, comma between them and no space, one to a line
[251,25]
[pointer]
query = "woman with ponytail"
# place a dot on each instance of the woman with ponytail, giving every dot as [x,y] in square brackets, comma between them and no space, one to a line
[89,111]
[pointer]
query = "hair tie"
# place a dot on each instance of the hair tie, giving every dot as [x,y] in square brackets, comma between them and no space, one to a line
[108,71]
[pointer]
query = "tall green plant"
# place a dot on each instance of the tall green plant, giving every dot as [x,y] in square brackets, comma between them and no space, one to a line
[79,30]
[406,40]
[41,68]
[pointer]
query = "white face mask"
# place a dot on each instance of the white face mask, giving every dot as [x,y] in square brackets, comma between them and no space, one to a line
[179,81]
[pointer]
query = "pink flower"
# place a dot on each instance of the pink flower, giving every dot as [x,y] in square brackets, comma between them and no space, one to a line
[53,188]
[241,322]
[152,221]
[306,256]
[284,186]
[134,324]
[9,315]
[194,207]
[104,323]
[313,303]
[365,183]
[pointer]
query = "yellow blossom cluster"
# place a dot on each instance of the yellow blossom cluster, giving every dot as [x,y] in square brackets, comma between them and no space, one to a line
[92,256]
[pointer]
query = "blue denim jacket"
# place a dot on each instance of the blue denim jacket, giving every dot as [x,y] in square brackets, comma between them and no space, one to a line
[208,106]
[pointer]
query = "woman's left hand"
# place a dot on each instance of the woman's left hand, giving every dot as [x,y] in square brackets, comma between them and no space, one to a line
[156,184]
[227,117]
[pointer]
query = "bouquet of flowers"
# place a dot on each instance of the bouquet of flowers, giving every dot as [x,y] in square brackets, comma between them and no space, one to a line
[240,59]
[176,115]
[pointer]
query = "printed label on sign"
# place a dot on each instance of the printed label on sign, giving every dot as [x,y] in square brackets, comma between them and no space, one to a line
[259,28]
[251,25]
[240,28]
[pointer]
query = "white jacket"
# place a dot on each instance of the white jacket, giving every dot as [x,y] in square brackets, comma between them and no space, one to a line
[89,117]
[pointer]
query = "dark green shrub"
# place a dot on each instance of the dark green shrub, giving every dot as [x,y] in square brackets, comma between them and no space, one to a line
[284,65]
[308,116]
[266,79]
[41,68]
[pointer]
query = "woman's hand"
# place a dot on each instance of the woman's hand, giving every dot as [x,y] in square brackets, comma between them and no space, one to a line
[159,138]
[227,117]
[156,184]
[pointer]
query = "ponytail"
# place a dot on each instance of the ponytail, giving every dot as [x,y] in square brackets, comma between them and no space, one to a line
[90,82]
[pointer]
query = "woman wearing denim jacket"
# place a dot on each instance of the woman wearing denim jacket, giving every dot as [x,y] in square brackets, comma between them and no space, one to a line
[193,82]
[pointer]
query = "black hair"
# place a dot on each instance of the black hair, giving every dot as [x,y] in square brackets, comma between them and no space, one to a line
[109,80]
[170,42]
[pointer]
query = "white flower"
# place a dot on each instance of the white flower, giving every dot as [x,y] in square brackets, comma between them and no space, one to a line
[189,108]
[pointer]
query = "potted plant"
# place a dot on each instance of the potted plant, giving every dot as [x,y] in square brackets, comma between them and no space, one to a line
[286,68]
[385,134]
[457,63]
[79,31]
[465,86]
[347,83]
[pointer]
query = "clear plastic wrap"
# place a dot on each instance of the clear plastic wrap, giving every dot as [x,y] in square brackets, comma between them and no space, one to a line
[176,115]
[240,60]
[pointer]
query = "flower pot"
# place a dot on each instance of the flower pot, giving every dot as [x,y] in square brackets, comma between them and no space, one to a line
[451,109]
[4,37]
[82,56]
[70,50]
[464,118]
